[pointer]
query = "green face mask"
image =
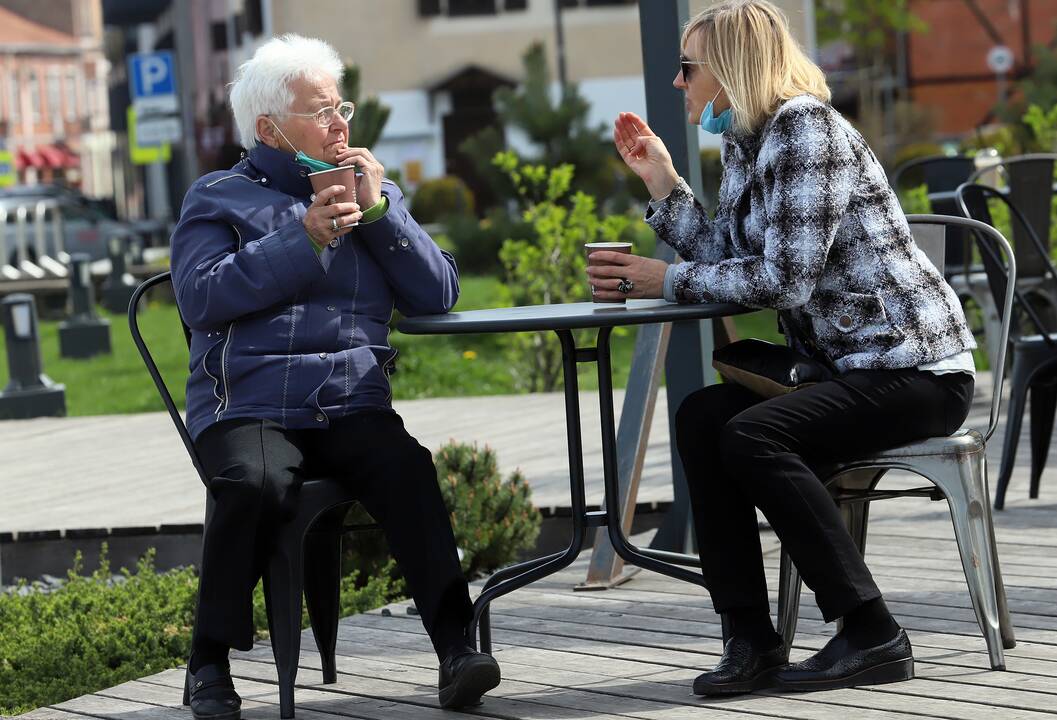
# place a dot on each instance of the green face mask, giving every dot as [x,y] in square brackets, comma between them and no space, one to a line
[310,162]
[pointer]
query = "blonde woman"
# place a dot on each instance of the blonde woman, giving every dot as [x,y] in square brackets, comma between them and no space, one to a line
[806,225]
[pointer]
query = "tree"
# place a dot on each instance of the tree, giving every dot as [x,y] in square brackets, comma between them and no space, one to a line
[559,129]
[367,124]
[866,25]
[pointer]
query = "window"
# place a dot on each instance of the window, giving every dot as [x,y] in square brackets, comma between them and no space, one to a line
[34,95]
[467,8]
[54,99]
[70,91]
[219,31]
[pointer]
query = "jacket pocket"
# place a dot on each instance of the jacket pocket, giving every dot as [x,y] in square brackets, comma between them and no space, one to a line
[212,366]
[850,322]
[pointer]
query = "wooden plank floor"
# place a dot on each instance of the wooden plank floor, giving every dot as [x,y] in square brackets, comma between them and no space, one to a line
[633,651]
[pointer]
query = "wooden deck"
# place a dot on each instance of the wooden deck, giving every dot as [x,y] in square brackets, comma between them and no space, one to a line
[633,651]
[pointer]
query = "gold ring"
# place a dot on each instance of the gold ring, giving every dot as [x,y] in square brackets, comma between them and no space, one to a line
[334,223]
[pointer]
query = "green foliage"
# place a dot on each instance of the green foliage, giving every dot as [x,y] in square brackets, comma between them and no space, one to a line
[92,633]
[550,268]
[477,242]
[440,197]
[1043,125]
[866,25]
[493,519]
[915,200]
[371,115]
[559,129]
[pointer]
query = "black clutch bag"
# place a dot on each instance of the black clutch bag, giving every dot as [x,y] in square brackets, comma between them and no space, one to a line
[769,370]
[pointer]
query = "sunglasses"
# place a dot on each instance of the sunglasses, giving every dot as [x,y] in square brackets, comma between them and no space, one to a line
[686,65]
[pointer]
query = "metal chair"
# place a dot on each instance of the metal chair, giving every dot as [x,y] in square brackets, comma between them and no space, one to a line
[957,468]
[307,553]
[1033,346]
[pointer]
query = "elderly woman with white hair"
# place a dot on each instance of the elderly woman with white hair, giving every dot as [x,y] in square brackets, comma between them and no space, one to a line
[806,225]
[288,308]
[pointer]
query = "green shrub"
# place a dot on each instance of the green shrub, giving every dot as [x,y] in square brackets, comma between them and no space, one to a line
[915,200]
[438,198]
[493,519]
[92,633]
[477,242]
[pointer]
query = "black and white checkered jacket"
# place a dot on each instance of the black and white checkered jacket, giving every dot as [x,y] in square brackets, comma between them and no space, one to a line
[808,225]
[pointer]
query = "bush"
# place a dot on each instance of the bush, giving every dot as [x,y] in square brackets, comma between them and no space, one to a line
[493,519]
[915,200]
[91,633]
[441,197]
[477,242]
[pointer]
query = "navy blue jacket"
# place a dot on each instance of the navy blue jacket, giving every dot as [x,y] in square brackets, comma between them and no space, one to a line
[279,332]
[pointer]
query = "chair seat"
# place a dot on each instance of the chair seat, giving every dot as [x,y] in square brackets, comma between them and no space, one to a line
[963,442]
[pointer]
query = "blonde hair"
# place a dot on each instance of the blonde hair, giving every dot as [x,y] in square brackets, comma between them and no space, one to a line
[749,49]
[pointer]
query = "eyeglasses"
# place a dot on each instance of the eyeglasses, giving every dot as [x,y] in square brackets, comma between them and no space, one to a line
[324,117]
[686,65]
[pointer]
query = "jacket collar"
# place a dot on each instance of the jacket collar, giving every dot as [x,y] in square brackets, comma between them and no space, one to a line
[280,169]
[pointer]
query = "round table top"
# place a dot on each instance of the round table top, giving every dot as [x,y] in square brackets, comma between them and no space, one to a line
[564,316]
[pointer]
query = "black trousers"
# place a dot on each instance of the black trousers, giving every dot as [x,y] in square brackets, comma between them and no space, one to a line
[742,452]
[256,468]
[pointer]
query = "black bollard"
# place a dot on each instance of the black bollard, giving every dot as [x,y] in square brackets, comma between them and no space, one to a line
[29,393]
[119,286]
[83,334]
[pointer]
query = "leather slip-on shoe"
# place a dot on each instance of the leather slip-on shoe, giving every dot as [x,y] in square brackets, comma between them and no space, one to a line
[211,694]
[742,669]
[465,676]
[838,665]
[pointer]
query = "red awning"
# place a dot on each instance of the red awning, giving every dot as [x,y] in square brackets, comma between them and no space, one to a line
[26,158]
[72,158]
[54,157]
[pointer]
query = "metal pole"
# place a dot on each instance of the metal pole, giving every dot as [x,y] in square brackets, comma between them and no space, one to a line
[157,181]
[686,355]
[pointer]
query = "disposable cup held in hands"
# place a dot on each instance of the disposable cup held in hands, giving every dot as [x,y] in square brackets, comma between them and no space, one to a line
[341,175]
[591,248]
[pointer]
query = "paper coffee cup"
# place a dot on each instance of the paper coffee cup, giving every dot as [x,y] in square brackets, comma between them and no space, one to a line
[341,175]
[591,248]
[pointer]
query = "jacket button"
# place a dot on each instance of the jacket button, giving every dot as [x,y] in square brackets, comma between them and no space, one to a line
[323,356]
[264,181]
[320,417]
[331,308]
[404,243]
[845,321]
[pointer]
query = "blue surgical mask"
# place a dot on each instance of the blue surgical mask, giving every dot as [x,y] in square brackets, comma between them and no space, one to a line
[712,124]
[310,162]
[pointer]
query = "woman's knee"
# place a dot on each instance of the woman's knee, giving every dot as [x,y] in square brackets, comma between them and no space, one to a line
[703,412]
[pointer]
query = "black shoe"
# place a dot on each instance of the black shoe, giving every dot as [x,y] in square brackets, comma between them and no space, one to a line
[211,694]
[839,665]
[466,675]
[742,669]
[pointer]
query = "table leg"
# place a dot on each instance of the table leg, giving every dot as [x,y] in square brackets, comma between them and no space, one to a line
[660,561]
[516,576]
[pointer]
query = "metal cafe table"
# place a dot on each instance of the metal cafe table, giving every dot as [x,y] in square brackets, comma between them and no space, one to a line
[564,319]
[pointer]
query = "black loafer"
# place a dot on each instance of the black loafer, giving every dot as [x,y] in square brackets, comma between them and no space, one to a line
[742,669]
[838,665]
[211,694]
[466,675]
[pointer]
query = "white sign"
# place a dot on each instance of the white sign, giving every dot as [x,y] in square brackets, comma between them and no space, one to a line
[158,130]
[152,82]
[1000,59]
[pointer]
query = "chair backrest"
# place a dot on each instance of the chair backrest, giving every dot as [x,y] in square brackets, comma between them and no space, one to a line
[942,174]
[973,203]
[152,367]
[1030,184]
[990,241]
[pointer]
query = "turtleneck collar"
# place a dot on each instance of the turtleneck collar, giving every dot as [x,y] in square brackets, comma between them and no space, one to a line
[281,170]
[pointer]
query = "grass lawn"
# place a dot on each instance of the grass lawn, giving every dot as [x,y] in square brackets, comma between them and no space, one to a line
[428,366]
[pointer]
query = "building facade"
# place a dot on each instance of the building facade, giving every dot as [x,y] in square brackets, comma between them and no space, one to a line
[54,116]
[436,62]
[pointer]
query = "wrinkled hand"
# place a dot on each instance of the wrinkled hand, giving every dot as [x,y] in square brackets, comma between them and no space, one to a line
[321,214]
[369,183]
[645,153]
[647,275]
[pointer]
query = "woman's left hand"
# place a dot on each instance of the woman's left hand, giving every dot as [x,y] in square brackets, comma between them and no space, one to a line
[646,275]
[369,184]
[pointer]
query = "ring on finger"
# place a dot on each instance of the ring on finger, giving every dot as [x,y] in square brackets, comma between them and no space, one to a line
[334,223]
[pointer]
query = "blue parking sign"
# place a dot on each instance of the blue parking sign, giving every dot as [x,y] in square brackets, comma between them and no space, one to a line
[152,82]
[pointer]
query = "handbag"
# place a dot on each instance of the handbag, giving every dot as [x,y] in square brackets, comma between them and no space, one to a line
[768,369]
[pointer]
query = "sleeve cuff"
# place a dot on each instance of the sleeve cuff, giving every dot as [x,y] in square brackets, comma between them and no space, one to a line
[669,284]
[376,211]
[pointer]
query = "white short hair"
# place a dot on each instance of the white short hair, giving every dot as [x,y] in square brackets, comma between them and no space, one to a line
[262,83]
